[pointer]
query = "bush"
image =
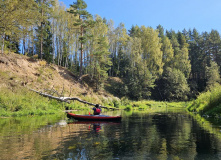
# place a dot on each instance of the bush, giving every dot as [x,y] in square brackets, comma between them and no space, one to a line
[207,102]
[128,107]
[116,103]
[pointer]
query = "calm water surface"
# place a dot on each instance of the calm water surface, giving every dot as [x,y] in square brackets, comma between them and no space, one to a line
[161,135]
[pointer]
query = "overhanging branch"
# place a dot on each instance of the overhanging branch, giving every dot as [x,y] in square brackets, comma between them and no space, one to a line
[67,99]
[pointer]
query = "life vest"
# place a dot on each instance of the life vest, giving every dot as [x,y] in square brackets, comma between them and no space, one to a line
[97,111]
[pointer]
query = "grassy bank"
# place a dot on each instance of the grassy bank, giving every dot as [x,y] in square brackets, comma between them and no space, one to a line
[208,102]
[22,102]
[152,105]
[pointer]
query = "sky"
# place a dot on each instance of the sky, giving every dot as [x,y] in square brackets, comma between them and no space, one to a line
[204,15]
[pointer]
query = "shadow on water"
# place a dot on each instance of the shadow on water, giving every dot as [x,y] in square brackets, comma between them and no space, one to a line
[165,134]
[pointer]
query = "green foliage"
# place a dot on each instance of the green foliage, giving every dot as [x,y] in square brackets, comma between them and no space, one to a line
[44,34]
[116,103]
[128,107]
[176,86]
[212,75]
[207,102]
[155,106]
[152,53]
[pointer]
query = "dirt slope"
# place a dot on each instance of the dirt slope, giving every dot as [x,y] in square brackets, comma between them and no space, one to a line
[19,70]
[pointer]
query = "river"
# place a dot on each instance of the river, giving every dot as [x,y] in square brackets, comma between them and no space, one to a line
[166,134]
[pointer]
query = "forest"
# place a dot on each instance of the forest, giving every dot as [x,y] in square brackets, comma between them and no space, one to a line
[150,63]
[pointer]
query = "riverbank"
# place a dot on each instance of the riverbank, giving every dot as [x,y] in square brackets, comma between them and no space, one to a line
[208,103]
[22,102]
[19,73]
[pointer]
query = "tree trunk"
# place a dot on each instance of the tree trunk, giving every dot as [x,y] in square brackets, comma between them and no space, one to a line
[58,55]
[3,42]
[66,99]
[24,45]
[41,41]
[81,58]
[53,42]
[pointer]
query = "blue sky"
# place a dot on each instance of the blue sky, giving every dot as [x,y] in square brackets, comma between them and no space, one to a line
[204,15]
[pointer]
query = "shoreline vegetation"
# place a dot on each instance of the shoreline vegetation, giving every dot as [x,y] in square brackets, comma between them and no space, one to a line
[23,102]
[208,103]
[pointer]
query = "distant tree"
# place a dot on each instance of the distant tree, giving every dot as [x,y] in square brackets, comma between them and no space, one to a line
[195,55]
[152,50]
[99,56]
[183,57]
[112,38]
[215,46]
[176,86]
[120,54]
[43,41]
[138,78]
[134,31]
[181,54]
[161,31]
[47,43]
[12,13]
[45,10]
[186,35]
[212,75]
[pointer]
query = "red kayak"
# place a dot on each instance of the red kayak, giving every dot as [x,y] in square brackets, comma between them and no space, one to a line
[93,117]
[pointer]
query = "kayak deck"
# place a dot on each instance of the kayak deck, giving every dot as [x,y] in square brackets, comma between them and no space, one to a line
[93,117]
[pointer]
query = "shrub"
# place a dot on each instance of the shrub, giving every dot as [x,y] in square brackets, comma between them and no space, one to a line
[208,101]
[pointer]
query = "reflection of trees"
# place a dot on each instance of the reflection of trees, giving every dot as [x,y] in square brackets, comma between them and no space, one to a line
[207,143]
[25,137]
[138,136]
[142,136]
[175,136]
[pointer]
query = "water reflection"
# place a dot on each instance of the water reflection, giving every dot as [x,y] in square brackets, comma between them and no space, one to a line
[162,135]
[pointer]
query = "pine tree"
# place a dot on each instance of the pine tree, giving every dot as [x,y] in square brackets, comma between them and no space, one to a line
[44,41]
[83,22]
[215,46]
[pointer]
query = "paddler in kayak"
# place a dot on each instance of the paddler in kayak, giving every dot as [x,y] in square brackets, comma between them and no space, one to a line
[97,109]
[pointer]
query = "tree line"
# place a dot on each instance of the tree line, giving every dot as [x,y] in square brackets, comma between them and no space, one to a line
[152,63]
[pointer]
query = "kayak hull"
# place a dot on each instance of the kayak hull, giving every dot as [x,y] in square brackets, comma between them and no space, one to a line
[93,117]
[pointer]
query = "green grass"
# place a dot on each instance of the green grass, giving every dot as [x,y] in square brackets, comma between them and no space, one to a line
[208,102]
[152,106]
[22,102]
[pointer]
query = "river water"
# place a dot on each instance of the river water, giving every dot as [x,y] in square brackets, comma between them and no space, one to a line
[167,134]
